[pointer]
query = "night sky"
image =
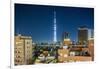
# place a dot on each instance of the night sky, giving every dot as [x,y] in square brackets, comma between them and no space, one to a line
[37,21]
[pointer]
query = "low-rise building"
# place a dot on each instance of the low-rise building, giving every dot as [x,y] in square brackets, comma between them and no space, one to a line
[23,50]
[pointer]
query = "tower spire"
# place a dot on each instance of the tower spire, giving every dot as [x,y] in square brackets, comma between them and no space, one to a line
[55,28]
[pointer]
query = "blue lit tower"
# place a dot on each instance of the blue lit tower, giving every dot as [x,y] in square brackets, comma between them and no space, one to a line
[55,29]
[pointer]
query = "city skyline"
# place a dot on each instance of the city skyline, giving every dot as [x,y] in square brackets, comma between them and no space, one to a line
[53,34]
[38,21]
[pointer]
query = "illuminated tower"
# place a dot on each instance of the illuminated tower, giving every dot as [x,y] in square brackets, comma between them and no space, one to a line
[55,29]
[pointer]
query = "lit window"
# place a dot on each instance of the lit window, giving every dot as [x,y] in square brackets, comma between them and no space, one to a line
[60,54]
[65,55]
[72,53]
[18,42]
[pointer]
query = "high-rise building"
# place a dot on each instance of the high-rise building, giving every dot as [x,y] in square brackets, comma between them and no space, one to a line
[90,33]
[23,50]
[66,40]
[82,34]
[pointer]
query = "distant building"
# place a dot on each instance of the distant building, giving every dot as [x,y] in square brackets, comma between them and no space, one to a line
[90,33]
[23,50]
[91,42]
[65,39]
[82,34]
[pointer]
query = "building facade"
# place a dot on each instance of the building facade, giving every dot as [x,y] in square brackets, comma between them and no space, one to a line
[23,50]
[82,35]
[90,34]
[65,39]
[63,54]
[91,47]
[68,55]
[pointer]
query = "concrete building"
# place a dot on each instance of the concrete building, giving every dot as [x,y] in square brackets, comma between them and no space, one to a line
[82,34]
[91,42]
[74,54]
[23,50]
[66,40]
[90,33]
[63,54]
[91,47]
